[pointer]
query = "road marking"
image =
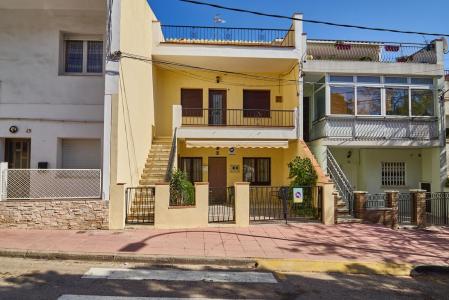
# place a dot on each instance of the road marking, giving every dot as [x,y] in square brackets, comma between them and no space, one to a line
[180,275]
[92,297]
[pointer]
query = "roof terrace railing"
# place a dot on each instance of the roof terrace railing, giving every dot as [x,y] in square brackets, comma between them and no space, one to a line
[371,51]
[262,37]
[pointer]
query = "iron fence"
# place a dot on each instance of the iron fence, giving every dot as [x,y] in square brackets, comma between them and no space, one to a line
[437,208]
[376,128]
[404,208]
[238,117]
[221,205]
[228,36]
[372,51]
[276,203]
[33,184]
[140,205]
[376,200]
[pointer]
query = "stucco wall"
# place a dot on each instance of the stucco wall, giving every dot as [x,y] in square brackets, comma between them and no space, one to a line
[135,107]
[33,94]
[170,81]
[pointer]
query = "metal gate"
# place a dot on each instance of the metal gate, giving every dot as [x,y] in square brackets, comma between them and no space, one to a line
[404,208]
[221,205]
[140,205]
[437,208]
[276,203]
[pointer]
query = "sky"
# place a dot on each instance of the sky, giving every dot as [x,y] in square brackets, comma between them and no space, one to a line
[411,15]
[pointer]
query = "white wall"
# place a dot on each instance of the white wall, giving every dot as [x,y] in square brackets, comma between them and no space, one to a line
[32,93]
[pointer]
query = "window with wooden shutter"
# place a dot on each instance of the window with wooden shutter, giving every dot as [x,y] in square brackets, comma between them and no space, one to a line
[256,104]
[192,102]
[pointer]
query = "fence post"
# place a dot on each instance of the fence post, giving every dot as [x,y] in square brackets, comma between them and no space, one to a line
[241,203]
[418,208]
[359,204]
[328,204]
[202,202]
[117,207]
[3,180]
[392,202]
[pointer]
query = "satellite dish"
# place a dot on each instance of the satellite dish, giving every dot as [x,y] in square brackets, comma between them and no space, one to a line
[445,46]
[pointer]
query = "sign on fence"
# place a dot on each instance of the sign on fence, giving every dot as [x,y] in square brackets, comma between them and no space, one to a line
[298,195]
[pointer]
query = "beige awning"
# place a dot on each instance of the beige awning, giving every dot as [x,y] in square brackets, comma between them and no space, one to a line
[236,144]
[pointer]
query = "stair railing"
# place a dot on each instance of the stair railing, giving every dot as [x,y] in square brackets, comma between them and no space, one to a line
[342,183]
[171,159]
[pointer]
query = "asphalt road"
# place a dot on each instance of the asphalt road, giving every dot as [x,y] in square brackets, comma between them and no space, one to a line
[48,279]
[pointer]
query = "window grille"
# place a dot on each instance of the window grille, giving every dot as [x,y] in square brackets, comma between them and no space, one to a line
[393,173]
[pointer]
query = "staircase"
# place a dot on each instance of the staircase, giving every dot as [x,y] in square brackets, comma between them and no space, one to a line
[157,161]
[344,209]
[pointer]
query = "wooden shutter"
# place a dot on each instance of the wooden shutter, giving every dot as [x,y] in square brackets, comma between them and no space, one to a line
[192,102]
[256,104]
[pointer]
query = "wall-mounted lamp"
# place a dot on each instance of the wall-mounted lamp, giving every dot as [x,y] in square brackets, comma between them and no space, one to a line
[218,79]
[349,154]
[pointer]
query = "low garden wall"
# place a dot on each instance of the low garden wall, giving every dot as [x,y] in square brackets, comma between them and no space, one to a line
[77,214]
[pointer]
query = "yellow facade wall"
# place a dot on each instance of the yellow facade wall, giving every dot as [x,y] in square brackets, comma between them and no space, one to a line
[279,161]
[136,105]
[170,81]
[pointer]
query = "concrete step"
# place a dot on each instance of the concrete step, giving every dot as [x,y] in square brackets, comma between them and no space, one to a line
[347,219]
[150,182]
[342,211]
[155,173]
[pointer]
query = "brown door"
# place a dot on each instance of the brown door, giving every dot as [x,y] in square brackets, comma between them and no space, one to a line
[217,179]
[306,119]
[17,153]
[217,107]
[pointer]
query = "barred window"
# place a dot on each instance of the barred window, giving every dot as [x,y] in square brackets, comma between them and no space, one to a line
[393,173]
[83,56]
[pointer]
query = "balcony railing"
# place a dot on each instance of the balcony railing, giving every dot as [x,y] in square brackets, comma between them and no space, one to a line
[262,37]
[238,117]
[376,128]
[371,51]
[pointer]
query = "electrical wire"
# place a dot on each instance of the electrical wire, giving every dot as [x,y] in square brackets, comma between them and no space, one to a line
[313,21]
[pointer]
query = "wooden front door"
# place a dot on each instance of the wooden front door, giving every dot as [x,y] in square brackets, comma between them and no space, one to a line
[17,153]
[306,119]
[217,179]
[217,107]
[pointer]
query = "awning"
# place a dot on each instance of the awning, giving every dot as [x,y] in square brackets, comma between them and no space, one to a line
[236,144]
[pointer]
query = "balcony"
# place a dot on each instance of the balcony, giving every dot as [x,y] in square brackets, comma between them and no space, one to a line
[235,123]
[376,128]
[259,37]
[333,50]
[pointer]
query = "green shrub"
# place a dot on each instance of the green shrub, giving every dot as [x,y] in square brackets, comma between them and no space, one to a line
[302,172]
[182,191]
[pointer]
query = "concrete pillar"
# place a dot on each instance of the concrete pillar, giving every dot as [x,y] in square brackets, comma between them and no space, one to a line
[360,204]
[202,202]
[329,205]
[337,198]
[3,180]
[117,207]
[241,203]
[418,208]
[392,202]
[161,203]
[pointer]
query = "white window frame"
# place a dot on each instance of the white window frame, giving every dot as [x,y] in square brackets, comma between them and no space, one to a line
[405,174]
[383,86]
[85,39]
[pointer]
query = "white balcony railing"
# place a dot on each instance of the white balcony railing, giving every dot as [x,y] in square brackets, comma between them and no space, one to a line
[375,128]
[22,184]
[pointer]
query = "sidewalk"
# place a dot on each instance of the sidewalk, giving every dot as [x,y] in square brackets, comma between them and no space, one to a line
[345,242]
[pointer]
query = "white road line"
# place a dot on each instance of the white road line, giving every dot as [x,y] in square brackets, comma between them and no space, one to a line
[179,275]
[92,297]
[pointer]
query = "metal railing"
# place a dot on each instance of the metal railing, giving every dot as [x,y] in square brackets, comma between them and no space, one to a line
[171,158]
[376,128]
[342,183]
[376,200]
[437,208]
[33,184]
[405,208]
[276,203]
[238,117]
[140,205]
[221,204]
[371,51]
[263,37]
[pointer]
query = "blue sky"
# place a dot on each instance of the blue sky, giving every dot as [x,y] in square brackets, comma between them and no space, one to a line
[399,14]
